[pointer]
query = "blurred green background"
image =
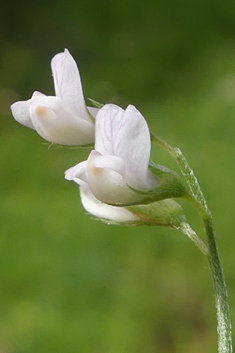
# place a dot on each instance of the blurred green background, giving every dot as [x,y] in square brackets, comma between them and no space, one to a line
[72,284]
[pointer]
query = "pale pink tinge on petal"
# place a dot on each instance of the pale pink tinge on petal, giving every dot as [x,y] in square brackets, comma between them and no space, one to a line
[55,121]
[107,181]
[98,161]
[62,110]
[58,129]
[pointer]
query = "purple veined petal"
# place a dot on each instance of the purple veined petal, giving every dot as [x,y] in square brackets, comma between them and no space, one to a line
[77,173]
[125,133]
[54,125]
[20,112]
[102,210]
[67,83]
[106,179]
[108,122]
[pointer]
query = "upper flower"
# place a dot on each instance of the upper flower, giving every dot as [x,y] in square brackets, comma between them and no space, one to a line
[119,163]
[63,118]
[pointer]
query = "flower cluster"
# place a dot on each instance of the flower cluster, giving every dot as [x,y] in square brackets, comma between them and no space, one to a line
[116,182]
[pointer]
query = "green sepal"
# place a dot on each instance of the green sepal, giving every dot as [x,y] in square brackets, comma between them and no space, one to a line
[95,103]
[170,185]
[166,213]
[71,147]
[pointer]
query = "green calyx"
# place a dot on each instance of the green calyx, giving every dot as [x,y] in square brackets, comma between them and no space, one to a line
[166,213]
[156,206]
[169,186]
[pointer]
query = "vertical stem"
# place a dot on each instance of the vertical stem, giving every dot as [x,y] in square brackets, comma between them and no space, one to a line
[224,327]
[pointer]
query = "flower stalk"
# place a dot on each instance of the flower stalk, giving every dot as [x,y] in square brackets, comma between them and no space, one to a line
[187,230]
[224,327]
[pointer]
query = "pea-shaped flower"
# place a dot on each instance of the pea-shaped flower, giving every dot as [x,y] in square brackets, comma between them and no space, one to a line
[63,118]
[119,163]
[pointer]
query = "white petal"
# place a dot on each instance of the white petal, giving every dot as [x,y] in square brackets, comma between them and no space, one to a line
[101,210]
[67,83]
[107,162]
[106,179]
[37,95]
[77,173]
[55,123]
[125,133]
[20,111]
[108,122]
[55,103]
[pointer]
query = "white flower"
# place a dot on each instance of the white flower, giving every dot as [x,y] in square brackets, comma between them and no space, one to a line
[63,118]
[120,159]
[104,211]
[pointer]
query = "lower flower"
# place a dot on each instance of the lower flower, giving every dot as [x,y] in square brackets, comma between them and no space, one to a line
[166,213]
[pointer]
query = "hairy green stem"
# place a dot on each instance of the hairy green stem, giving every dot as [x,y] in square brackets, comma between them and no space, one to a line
[185,169]
[187,230]
[224,328]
